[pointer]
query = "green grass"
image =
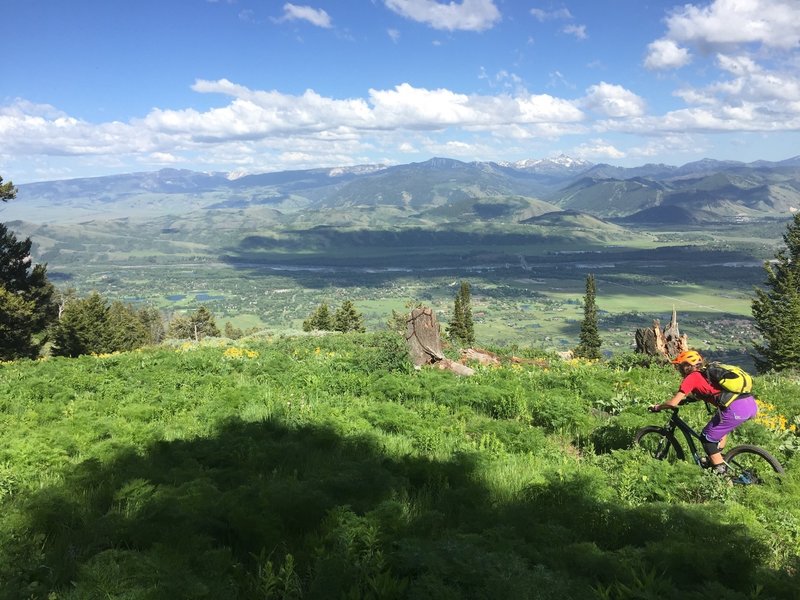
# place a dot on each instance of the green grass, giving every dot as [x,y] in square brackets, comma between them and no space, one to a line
[325,467]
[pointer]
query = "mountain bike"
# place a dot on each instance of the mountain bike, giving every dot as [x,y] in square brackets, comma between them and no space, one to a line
[747,464]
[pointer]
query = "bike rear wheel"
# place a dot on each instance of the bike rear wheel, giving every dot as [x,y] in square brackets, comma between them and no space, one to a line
[749,464]
[658,443]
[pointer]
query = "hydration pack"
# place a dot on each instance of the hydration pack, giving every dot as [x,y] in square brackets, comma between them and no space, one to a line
[732,380]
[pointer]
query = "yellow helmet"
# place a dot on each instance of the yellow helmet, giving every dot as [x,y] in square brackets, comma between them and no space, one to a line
[690,357]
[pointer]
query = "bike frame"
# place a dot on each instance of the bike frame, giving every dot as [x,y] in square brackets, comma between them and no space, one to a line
[675,422]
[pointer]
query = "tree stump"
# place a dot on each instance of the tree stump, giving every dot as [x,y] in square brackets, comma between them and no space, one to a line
[425,344]
[422,337]
[667,343]
[674,342]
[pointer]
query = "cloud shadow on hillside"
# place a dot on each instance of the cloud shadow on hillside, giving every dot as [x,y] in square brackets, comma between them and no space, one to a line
[322,256]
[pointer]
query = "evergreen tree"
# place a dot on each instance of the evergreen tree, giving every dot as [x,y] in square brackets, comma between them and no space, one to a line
[320,320]
[180,328]
[461,328]
[455,328]
[124,329]
[196,326]
[776,309]
[589,345]
[153,323]
[232,332]
[26,296]
[347,318]
[82,328]
[203,324]
[16,331]
[7,191]
[466,314]
[93,326]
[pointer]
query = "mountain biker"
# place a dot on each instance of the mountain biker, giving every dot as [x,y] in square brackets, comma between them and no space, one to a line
[696,385]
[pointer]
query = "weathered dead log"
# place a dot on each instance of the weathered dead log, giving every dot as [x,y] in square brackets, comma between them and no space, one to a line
[483,357]
[422,337]
[566,355]
[455,367]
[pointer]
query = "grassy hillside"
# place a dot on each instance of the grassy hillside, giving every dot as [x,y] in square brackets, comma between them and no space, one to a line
[325,467]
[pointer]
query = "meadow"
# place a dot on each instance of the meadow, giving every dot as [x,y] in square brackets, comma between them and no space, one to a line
[326,467]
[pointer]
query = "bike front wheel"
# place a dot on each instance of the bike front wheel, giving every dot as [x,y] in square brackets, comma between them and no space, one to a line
[750,464]
[658,443]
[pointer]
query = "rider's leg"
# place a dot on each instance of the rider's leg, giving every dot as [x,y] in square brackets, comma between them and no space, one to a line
[725,420]
[712,449]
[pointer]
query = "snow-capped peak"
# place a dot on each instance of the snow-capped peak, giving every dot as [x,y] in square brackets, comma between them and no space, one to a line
[562,161]
[355,170]
[234,175]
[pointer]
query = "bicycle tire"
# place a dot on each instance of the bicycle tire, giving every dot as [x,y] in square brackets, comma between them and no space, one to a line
[748,464]
[658,442]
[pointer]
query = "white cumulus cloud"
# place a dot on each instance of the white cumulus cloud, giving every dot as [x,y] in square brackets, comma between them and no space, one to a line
[772,23]
[613,101]
[723,25]
[597,149]
[315,16]
[666,54]
[467,15]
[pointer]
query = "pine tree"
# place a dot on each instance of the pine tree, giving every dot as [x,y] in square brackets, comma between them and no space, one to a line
[124,328]
[153,323]
[461,328]
[16,331]
[180,328]
[466,314]
[7,191]
[196,326]
[347,318]
[203,324]
[231,331]
[776,310]
[589,344]
[320,320]
[455,328]
[26,296]
[82,328]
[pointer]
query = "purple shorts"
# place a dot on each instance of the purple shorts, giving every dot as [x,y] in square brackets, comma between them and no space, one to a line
[726,420]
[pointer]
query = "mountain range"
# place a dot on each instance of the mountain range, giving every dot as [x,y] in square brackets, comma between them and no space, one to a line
[439,188]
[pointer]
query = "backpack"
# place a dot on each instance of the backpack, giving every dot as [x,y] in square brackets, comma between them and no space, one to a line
[732,380]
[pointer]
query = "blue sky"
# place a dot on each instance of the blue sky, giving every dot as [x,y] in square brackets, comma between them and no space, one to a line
[96,87]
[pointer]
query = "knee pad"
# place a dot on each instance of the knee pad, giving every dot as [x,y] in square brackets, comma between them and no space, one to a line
[709,446]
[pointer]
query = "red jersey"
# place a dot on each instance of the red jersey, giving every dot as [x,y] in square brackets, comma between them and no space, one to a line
[695,384]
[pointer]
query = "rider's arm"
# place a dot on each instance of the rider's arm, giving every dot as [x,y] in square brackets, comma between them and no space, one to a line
[671,403]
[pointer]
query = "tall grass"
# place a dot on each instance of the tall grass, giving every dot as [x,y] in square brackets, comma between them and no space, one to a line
[325,467]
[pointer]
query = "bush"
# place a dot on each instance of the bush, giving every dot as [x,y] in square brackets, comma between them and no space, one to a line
[560,413]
